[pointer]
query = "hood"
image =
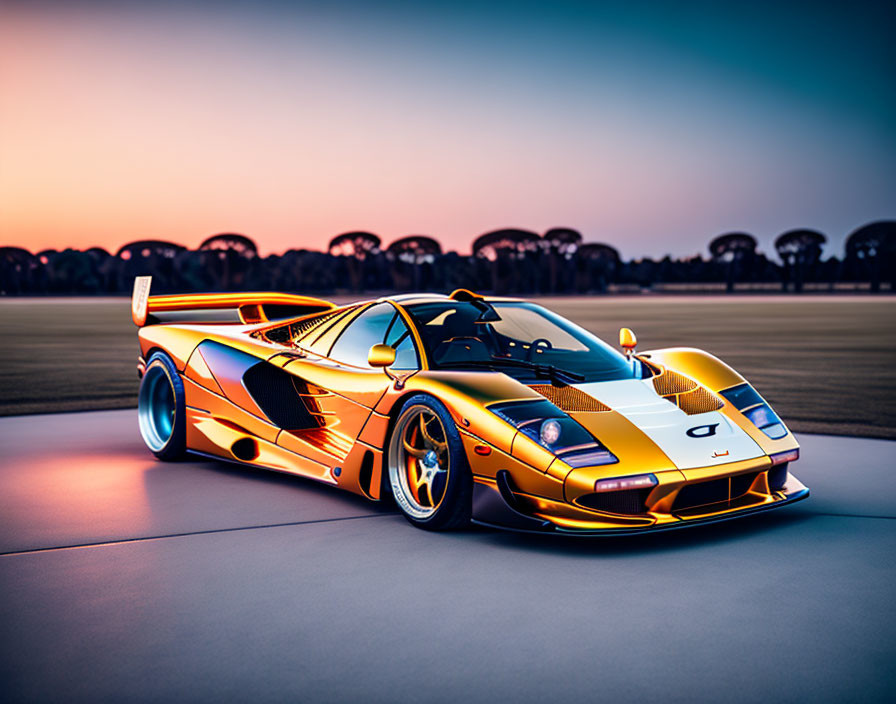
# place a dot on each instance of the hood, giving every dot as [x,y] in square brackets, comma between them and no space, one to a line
[689,441]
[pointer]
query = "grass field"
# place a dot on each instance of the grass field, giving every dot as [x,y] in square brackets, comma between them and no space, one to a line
[824,362]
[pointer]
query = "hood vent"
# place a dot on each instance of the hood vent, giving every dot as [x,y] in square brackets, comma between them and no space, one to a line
[686,393]
[668,383]
[570,399]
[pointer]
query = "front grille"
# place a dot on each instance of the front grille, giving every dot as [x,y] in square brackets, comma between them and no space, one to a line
[570,399]
[741,484]
[628,502]
[714,491]
[701,494]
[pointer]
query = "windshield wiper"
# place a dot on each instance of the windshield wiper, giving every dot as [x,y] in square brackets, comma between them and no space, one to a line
[558,377]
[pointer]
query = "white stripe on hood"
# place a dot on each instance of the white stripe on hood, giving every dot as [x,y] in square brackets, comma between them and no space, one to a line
[667,425]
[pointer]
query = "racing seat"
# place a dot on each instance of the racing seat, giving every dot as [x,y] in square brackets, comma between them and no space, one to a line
[461,339]
[461,349]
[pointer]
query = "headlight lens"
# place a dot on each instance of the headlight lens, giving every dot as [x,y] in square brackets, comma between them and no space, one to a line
[553,429]
[549,433]
[745,399]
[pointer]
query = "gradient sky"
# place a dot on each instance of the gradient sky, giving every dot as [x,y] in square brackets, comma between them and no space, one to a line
[652,126]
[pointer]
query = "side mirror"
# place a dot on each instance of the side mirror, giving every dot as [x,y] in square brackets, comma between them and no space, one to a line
[381,356]
[627,341]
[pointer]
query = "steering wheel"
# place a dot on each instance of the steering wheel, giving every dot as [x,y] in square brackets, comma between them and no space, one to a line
[535,343]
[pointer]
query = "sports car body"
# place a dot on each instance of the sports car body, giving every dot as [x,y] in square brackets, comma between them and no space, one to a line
[462,408]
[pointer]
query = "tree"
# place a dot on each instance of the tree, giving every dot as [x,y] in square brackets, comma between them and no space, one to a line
[414,251]
[356,248]
[144,249]
[505,250]
[148,257]
[872,250]
[228,256]
[597,264]
[800,251]
[16,270]
[736,250]
[561,243]
[230,242]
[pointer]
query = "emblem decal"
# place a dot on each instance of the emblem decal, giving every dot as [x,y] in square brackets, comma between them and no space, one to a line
[720,454]
[702,431]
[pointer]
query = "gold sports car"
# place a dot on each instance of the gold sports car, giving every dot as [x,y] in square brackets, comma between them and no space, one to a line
[461,408]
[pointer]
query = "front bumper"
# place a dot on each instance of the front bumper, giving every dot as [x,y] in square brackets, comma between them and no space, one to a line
[495,504]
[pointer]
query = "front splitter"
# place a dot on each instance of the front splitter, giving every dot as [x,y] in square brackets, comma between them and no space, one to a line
[546,528]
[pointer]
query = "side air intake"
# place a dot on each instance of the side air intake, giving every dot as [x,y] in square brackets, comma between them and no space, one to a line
[275,392]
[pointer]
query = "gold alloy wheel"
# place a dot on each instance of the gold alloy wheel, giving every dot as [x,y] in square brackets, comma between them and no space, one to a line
[419,461]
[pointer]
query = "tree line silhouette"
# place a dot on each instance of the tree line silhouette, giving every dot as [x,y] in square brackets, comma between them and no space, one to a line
[503,261]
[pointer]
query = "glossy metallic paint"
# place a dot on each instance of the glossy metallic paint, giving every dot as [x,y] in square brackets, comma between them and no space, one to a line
[356,408]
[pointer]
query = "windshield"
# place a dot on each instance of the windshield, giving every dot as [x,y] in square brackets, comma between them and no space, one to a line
[465,333]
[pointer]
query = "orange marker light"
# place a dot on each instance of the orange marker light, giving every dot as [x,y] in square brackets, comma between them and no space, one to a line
[483,450]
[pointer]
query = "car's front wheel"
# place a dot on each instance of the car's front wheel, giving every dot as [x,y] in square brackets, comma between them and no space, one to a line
[160,408]
[428,470]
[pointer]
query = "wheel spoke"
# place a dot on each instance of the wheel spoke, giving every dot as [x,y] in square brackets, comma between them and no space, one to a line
[422,461]
[422,478]
[439,445]
[414,451]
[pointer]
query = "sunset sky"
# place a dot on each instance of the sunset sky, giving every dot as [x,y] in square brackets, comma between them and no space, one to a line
[652,126]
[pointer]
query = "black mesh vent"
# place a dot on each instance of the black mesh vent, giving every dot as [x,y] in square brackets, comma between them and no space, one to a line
[280,335]
[287,333]
[713,492]
[303,326]
[701,493]
[274,392]
[628,502]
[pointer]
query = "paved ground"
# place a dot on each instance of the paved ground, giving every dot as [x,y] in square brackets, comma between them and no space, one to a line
[123,578]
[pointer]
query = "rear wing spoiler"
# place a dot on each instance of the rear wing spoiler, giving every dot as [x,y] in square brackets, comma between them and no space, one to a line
[257,307]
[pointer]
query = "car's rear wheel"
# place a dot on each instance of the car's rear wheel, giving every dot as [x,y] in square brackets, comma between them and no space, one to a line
[428,470]
[160,408]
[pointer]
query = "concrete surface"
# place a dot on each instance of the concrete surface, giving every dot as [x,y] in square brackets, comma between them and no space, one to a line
[125,579]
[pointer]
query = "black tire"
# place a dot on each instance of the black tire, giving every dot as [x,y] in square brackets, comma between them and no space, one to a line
[453,509]
[161,409]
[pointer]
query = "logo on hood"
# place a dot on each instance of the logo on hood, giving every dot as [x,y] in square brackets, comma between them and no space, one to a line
[702,431]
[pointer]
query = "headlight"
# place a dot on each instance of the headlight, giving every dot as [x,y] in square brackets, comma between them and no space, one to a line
[745,399]
[553,429]
[549,433]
